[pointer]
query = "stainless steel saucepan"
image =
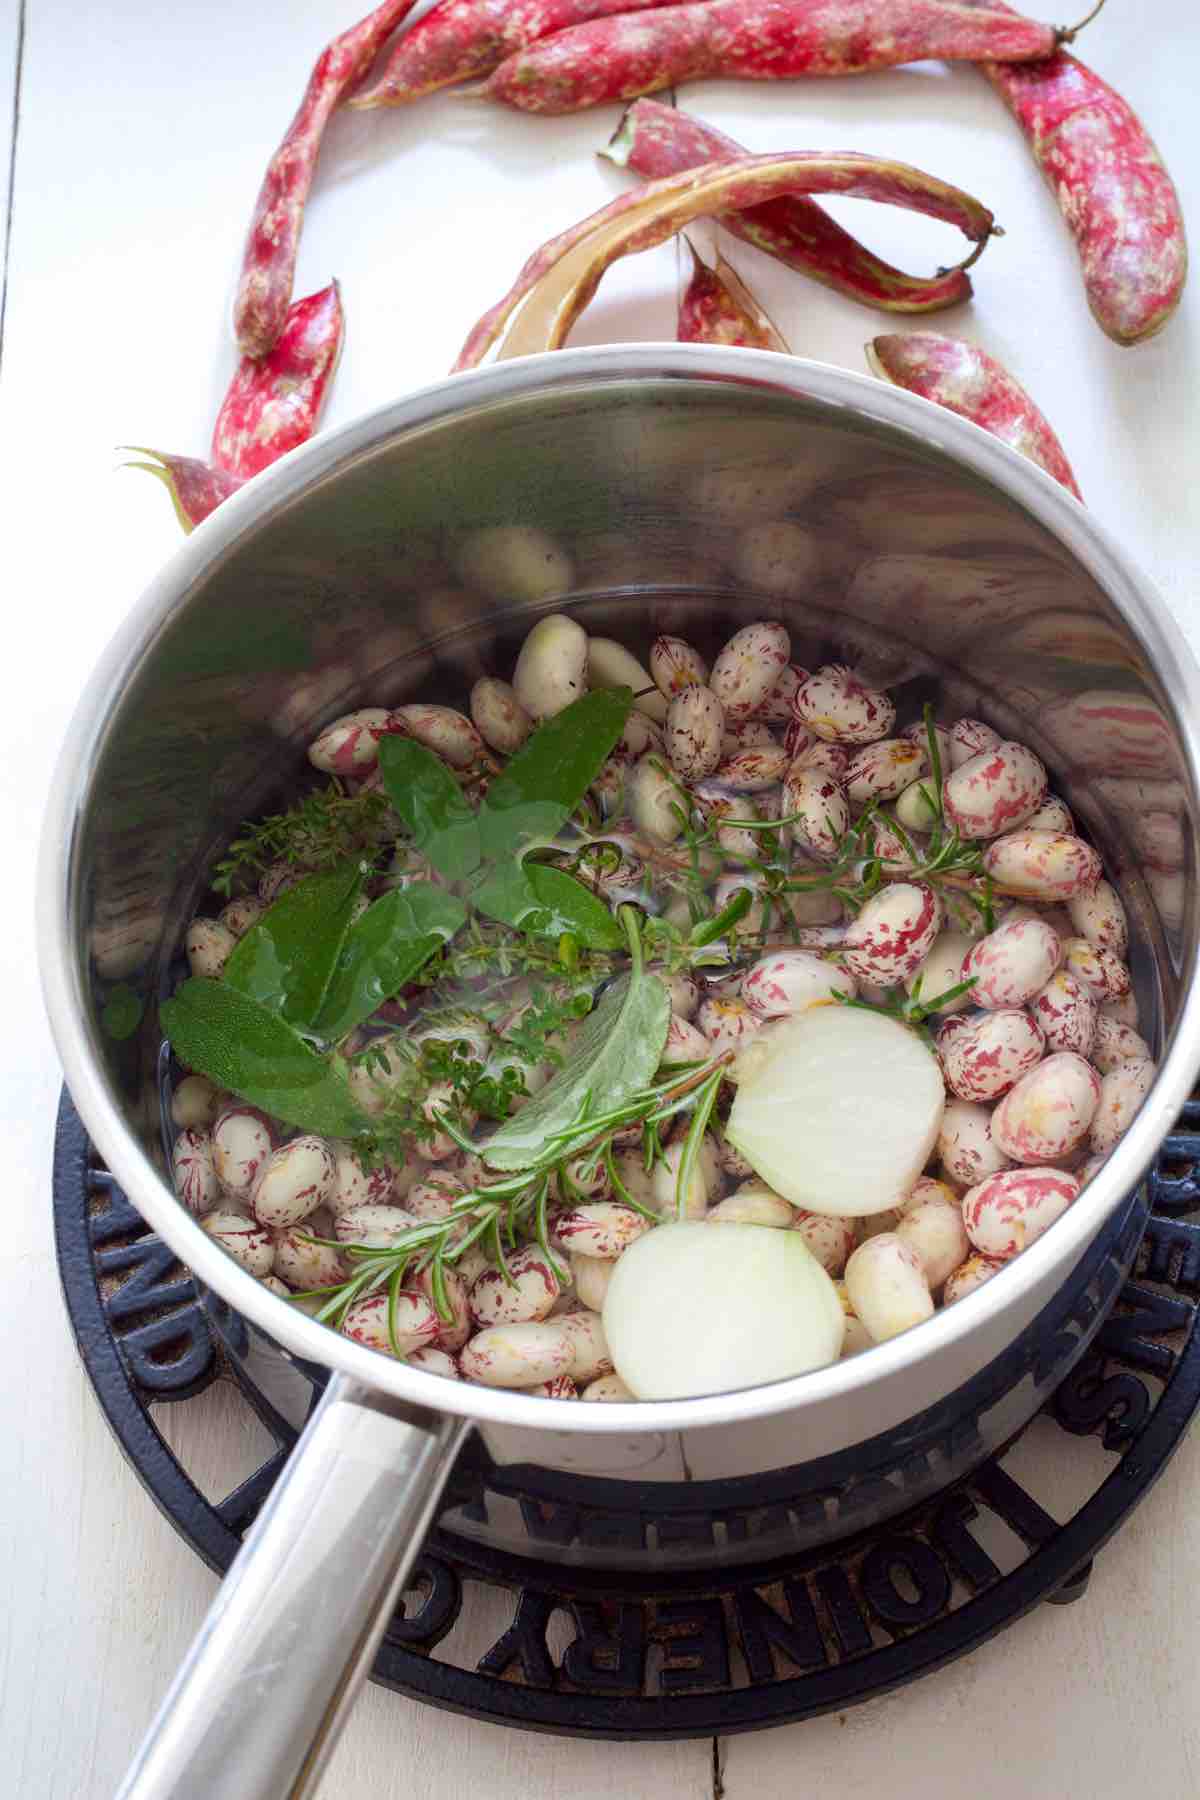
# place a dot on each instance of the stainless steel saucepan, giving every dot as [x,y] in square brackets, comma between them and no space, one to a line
[687,489]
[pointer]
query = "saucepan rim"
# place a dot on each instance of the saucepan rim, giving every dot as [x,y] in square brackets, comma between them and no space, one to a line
[1078,530]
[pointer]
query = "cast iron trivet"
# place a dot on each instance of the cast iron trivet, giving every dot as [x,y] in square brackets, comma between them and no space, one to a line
[597,1652]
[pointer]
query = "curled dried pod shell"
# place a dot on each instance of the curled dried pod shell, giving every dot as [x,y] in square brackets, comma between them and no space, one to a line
[836,706]
[498,715]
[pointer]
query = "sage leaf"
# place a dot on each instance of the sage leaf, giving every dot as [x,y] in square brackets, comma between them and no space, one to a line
[285,961]
[394,938]
[553,770]
[547,902]
[429,800]
[619,1047]
[241,1044]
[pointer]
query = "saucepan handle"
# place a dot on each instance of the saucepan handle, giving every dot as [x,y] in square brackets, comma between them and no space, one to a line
[257,1707]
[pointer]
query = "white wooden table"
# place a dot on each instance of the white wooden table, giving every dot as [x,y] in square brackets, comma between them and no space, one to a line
[142,133]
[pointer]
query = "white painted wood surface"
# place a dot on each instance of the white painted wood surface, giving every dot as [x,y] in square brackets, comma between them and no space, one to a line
[143,131]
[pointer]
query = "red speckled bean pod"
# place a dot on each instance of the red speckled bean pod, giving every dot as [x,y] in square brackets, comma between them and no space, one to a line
[967,381]
[273,404]
[1111,188]
[195,487]
[654,140]
[717,308]
[753,40]
[461,38]
[560,278]
[269,260]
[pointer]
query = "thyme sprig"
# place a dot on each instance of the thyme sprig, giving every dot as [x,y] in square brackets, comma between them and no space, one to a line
[319,831]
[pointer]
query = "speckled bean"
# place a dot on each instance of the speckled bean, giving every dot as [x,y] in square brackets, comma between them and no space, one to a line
[664,1182]
[754,1203]
[994,791]
[498,715]
[591,1276]
[1115,1043]
[1121,1094]
[916,733]
[241,914]
[517,1356]
[685,1042]
[559,1387]
[882,771]
[1099,916]
[529,1293]
[602,1228]
[354,1184]
[1065,1010]
[968,738]
[195,1101]
[984,1054]
[590,1357]
[695,723]
[970,1275]
[611,665]
[452,1333]
[941,970]
[836,706]
[551,669]
[966,1149]
[1011,964]
[817,799]
[746,734]
[755,770]
[1008,1211]
[303,1264]
[727,1022]
[1047,1113]
[748,667]
[432,1361]
[248,1242]
[607,1388]
[1089,1170]
[776,709]
[295,1180]
[831,1240]
[208,945]
[790,981]
[196,1182]
[893,933]
[415,1322]
[373,1224]
[1098,969]
[1052,815]
[449,734]
[1125,1010]
[831,759]
[349,745]
[654,801]
[675,665]
[886,1287]
[242,1140]
[1042,865]
[935,1230]
[857,1338]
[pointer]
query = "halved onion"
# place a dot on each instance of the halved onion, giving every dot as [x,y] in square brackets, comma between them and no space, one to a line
[837,1109]
[691,1310]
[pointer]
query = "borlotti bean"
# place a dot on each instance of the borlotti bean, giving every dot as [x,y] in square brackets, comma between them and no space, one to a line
[748,667]
[350,745]
[415,1321]
[969,738]
[695,728]
[1115,1043]
[835,705]
[995,791]
[517,1356]
[819,811]
[1099,916]
[196,1181]
[242,1140]
[1121,1094]
[967,1151]
[1011,964]
[1042,865]
[861,1172]
[611,665]
[788,981]
[984,1054]
[528,1293]
[893,934]
[551,669]
[884,770]
[208,945]
[499,718]
[296,1179]
[1066,1013]
[1009,1211]
[887,1288]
